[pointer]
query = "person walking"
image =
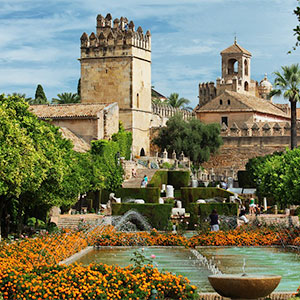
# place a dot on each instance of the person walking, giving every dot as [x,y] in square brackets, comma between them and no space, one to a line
[214,220]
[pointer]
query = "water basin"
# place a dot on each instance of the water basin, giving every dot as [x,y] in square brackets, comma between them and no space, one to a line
[175,260]
[258,261]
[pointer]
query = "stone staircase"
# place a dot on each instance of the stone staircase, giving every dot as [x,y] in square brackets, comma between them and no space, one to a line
[136,182]
[72,221]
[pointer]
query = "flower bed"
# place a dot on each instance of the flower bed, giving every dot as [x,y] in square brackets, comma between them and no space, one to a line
[238,237]
[29,270]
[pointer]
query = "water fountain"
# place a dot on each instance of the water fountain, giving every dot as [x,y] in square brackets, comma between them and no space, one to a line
[244,286]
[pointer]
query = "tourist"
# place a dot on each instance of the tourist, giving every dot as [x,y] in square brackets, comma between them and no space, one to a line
[257,210]
[146,179]
[214,220]
[133,173]
[143,183]
[242,215]
[252,206]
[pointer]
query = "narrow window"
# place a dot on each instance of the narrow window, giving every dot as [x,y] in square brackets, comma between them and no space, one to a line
[246,67]
[246,86]
[228,101]
[221,101]
[224,120]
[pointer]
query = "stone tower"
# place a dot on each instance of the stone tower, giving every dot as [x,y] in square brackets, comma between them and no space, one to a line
[116,67]
[236,70]
[236,75]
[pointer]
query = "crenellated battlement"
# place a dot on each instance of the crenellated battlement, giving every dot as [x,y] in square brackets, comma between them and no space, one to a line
[207,92]
[115,38]
[258,129]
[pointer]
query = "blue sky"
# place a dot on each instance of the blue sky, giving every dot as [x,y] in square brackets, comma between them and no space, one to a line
[40,40]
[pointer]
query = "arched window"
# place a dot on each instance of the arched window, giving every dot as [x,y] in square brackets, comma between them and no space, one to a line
[246,86]
[142,153]
[228,101]
[221,101]
[246,67]
[233,66]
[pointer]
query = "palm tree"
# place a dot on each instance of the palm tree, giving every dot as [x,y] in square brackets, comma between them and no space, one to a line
[288,84]
[177,102]
[20,95]
[66,98]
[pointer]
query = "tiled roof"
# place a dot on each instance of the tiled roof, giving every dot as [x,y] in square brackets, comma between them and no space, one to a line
[241,102]
[66,110]
[80,145]
[235,48]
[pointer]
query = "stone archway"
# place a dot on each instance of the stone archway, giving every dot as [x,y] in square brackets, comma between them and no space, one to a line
[142,152]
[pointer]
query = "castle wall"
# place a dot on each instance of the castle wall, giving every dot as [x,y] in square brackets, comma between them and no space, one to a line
[88,129]
[111,120]
[106,80]
[233,117]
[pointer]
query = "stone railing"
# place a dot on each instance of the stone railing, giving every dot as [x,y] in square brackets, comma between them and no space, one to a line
[167,111]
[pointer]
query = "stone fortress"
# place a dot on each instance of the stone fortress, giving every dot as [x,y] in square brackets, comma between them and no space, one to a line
[251,124]
[115,71]
[116,85]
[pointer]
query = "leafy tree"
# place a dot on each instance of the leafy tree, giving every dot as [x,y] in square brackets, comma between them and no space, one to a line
[39,168]
[277,176]
[177,102]
[195,139]
[40,97]
[66,98]
[288,84]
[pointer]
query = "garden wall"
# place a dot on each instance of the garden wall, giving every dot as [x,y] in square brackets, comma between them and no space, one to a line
[158,215]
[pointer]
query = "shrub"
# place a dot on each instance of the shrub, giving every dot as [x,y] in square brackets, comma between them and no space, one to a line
[179,179]
[166,165]
[190,195]
[159,178]
[149,194]
[158,215]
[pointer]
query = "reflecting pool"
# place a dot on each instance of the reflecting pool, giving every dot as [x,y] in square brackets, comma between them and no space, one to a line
[230,260]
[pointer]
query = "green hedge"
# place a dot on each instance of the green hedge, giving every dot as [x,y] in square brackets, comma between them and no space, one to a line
[191,195]
[149,194]
[177,179]
[158,215]
[200,211]
[159,178]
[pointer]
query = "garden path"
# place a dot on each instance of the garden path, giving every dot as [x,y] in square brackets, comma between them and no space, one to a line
[136,182]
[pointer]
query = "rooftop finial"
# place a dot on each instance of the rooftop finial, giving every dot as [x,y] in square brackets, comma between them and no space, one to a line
[235,39]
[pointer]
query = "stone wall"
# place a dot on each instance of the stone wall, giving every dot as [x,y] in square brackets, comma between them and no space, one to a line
[237,150]
[86,128]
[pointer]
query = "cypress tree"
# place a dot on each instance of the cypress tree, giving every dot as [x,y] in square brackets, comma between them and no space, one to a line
[40,97]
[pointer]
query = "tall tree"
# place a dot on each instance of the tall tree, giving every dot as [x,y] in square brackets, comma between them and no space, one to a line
[40,97]
[79,88]
[177,102]
[287,84]
[66,98]
[194,138]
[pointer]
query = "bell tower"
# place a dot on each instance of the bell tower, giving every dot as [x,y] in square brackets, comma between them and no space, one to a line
[236,66]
